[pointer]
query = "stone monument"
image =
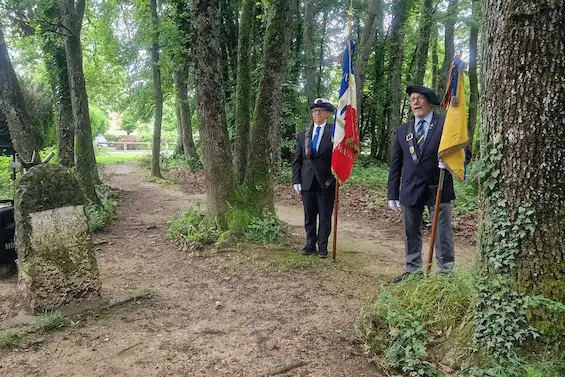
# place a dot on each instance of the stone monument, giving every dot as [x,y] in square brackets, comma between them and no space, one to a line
[56,258]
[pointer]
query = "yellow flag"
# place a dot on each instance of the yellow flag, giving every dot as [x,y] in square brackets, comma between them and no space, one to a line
[455,135]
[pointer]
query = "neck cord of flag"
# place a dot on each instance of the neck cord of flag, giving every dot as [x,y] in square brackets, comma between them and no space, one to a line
[451,98]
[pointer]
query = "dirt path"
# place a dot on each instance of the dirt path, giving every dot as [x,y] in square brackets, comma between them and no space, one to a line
[247,313]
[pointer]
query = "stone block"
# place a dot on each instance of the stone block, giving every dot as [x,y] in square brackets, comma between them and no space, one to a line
[56,259]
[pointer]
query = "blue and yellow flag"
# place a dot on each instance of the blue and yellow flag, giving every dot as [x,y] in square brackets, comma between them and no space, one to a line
[455,135]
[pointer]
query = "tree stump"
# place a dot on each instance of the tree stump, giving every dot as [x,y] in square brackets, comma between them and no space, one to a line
[56,259]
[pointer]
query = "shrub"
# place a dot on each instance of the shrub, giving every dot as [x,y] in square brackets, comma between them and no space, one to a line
[194,228]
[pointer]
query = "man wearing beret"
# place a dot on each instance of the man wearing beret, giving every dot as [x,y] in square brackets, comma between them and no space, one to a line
[312,177]
[413,180]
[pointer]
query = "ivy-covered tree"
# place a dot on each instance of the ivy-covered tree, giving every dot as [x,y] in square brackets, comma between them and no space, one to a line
[522,243]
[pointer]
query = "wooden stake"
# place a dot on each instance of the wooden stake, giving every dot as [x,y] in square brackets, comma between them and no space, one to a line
[434,222]
[336,205]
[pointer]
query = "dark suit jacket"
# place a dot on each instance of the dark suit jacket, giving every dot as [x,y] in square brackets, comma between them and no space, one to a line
[302,169]
[417,179]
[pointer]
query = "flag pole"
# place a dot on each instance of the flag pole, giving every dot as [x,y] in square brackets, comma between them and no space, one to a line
[435,220]
[336,197]
[336,205]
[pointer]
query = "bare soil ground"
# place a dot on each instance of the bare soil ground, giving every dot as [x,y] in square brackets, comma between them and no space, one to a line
[245,311]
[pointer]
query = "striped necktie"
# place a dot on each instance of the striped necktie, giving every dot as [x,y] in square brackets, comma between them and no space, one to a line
[420,136]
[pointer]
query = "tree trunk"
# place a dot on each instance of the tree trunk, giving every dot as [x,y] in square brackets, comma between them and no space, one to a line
[66,127]
[365,47]
[308,48]
[25,137]
[449,24]
[243,91]
[85,160]
[157,90]
[216,156]
[473,82]
[522,232]
[185,126]
[435,59]
[378,123]
[268,106]
[319,89]
[426,20]
[400,11]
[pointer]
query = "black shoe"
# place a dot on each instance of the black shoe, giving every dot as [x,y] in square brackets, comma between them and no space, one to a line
[323,254]
[405,276]
[308,251]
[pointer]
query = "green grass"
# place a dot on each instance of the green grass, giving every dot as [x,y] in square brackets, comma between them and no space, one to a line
[9,338]
[51,321]
[118,158]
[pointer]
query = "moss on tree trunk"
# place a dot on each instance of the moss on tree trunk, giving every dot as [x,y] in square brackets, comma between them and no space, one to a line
[243,91]
[268,106]
[87,174]
[216,156]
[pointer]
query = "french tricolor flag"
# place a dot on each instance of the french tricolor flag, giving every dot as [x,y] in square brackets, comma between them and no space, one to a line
[345,133]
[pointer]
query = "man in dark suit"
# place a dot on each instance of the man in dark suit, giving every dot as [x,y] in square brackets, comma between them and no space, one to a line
[413,179]
[312,177]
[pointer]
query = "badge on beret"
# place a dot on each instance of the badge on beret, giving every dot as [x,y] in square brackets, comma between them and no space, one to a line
[409,137]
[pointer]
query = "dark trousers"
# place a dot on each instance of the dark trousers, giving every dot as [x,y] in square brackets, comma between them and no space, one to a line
[444,250]
[318,205]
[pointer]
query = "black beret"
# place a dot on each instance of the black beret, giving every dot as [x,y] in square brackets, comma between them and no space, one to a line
[322,103]
[427,92]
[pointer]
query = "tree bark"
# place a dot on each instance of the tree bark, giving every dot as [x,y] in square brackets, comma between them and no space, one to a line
[66,127]
[55,57]
[157,90]
[426,20]
[85,161]
[473,81]
[268,106]
[308,48]
[321,52]
[216,156]
[185,126]
[449,41]
[522,105]
[400,11]
[24,134]
[365,47]
[243,91]
[435,58]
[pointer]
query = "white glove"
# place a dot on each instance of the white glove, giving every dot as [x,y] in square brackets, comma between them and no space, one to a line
[394,205]
[441,165]
[297,187]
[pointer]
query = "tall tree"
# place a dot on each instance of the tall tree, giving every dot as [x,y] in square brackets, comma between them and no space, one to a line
[157,91]
[268,105]
[522,97]
[395,94]
[366,44]
[180,73]
[72,14]
[473,80]
[421,59]
[308,50]
[449,41]
[24,134]
[210,102]
[435,58]
[243,91]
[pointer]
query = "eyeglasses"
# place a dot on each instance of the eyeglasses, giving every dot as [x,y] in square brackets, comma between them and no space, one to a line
[318,110]
[418,99]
